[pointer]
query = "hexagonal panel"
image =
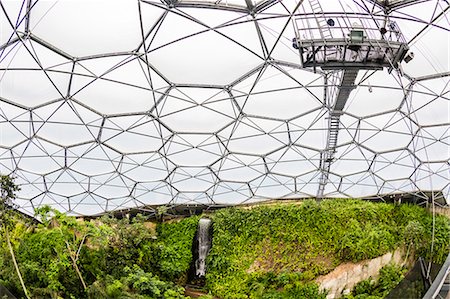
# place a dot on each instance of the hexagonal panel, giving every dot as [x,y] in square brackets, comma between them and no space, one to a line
[386,132]
[92,159]
[66,123]
[213,110]
[192,179]
[47,14]
[396,164]
[134,134]
[193,149]
[39,156]
[146,167]
[254,136]
[240,168]
[273,186]
[227,193]
[292,161]
[200,53]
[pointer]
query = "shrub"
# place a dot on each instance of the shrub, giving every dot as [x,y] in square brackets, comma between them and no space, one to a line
[390,277]
[173,250]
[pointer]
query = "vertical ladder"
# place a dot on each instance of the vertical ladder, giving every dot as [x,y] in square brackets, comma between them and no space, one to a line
[325,32]
[327,156]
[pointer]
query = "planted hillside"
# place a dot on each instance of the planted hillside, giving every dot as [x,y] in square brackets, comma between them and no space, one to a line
[262,252]
[277,251]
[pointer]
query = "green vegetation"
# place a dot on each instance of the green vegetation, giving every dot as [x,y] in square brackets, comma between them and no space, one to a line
[135,284]
[8,191]
[390,276]
[282,249]
[267,252]
[174,248]
[107,258]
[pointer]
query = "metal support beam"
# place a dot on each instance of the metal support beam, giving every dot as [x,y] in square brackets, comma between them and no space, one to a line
[431,77]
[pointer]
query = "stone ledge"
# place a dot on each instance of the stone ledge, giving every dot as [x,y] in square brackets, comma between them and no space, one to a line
[344,277]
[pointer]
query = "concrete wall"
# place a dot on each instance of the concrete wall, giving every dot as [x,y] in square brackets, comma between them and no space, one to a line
[342,279]
[445,211]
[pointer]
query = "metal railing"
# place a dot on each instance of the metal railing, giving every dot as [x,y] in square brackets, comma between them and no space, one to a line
[440,288]
[4,293]
[339,25]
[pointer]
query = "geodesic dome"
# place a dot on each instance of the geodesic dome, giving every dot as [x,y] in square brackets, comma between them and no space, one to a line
[106,105]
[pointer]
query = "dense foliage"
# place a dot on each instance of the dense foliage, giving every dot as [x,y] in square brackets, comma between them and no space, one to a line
[284,247]
[135,283]
[108,258]
[8,216]
[267,252]
[174,248]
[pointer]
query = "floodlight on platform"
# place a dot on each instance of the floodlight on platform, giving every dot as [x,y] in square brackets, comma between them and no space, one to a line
[409,57]
[356,36]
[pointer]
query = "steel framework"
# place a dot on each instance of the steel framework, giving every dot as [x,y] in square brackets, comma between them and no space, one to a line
[130,104]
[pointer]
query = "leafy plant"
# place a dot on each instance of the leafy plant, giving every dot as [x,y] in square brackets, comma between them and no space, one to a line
[135,284]
[173,249]
[8,191]
[390,277]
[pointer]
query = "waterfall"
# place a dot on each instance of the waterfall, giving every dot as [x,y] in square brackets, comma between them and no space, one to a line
[203,241]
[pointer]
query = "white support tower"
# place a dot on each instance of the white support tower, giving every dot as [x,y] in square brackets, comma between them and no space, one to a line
[346,43]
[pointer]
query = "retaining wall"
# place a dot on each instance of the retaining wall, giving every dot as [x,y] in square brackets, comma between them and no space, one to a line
[342,279]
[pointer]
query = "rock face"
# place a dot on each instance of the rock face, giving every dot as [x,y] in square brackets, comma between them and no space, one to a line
[342,279]
[442,211]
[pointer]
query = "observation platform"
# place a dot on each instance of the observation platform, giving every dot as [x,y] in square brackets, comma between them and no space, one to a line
[342,41]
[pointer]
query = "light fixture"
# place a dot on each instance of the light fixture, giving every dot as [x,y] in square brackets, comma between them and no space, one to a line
[409,57]
[295,43]
[356,39]
[356,36]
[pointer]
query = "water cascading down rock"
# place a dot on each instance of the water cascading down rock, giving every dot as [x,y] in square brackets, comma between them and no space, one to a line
[203,245]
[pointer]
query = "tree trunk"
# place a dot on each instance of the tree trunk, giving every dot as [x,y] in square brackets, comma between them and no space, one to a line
[74,262]
[15,263]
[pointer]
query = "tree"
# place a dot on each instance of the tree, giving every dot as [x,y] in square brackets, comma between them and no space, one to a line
[8,193]
[71,232]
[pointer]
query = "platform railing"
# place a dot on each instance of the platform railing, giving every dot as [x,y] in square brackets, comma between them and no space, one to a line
[374,28]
